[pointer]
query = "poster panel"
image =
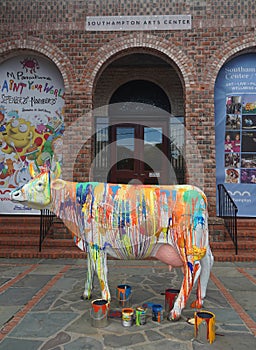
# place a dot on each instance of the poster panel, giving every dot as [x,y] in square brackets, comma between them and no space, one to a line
[31,122]
[235,131]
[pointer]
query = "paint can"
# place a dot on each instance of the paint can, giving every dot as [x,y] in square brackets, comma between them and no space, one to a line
[127,317]
[170,297]
[124,295]
[157,313]
[140,316]
[204,328]
[99,313]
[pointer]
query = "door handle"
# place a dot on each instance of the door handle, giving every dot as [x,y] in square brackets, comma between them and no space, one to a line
[142,174]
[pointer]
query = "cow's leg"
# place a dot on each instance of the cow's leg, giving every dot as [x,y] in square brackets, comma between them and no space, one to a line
[197,271]
[90,276]
[102,272]
[185,290]
[206,265]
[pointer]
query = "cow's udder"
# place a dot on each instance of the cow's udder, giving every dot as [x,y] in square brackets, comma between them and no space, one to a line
[168,255]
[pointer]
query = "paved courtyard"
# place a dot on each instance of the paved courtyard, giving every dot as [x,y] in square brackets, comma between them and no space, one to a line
[41,308]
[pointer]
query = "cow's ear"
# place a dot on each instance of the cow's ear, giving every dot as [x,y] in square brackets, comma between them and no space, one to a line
[57,171]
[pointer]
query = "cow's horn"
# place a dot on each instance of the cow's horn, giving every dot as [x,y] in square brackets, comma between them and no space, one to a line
[57,170]
[32,170]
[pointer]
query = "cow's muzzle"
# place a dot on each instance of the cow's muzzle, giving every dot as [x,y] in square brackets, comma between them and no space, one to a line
[17,196]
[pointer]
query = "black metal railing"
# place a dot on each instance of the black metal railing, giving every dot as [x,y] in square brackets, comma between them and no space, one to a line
[228,211]
[46,221]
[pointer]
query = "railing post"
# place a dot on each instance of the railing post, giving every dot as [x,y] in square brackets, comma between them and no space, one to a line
[41,230]
[46,220]
[236,243]
[228,210]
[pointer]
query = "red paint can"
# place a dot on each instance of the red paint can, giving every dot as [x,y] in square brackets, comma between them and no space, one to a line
[170,297]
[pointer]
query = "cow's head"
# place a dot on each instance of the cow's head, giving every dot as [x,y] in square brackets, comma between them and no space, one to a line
[36,193]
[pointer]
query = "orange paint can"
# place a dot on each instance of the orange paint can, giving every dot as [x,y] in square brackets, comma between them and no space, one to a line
[127,317]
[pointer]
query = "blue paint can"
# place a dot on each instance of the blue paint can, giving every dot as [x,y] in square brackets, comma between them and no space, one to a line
[157,313]
[124,294]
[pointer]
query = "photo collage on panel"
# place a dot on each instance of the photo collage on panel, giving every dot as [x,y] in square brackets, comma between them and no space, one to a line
[240,139]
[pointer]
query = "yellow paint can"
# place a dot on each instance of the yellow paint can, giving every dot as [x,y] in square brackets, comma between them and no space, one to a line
[204,328]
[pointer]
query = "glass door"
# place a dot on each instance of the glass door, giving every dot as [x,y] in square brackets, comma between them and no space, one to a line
[139,153]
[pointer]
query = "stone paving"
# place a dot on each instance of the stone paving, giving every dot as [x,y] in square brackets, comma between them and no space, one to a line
[41,307]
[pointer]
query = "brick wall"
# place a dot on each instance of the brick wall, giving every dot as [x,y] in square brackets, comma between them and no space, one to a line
[56,29]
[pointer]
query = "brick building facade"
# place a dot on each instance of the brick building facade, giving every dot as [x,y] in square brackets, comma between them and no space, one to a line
[94,64]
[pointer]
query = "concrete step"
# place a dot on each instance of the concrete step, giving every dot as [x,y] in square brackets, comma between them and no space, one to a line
[75,253]
[243,245]
[52,248]
[19,237]
[245,233]
[232,257]
[246,222]
[33,240]
[17,220]
[19,240]
[19,225]
[33,252]
[246,228]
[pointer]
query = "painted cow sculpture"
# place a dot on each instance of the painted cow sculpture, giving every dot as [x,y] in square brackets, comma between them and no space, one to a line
[169,223]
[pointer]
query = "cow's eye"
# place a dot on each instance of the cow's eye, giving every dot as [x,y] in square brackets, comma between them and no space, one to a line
[40,186]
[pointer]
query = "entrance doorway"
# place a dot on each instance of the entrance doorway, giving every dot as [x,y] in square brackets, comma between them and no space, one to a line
[139,152]
[139,141]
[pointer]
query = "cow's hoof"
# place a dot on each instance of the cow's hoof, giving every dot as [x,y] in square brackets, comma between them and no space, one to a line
[173,317]
[196,304]
[85,297]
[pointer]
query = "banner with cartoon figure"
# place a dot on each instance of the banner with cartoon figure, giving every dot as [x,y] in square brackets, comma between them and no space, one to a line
[31,122]
[235,131]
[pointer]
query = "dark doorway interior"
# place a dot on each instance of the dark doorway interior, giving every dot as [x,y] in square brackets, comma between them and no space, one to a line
[142,91]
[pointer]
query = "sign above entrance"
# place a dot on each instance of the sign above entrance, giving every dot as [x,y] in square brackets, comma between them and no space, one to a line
[127,23]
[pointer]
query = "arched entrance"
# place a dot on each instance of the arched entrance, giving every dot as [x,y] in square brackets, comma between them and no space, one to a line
[140,134]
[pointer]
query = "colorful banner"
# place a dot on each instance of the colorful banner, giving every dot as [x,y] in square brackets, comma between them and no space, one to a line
[31,122]
[235,131]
